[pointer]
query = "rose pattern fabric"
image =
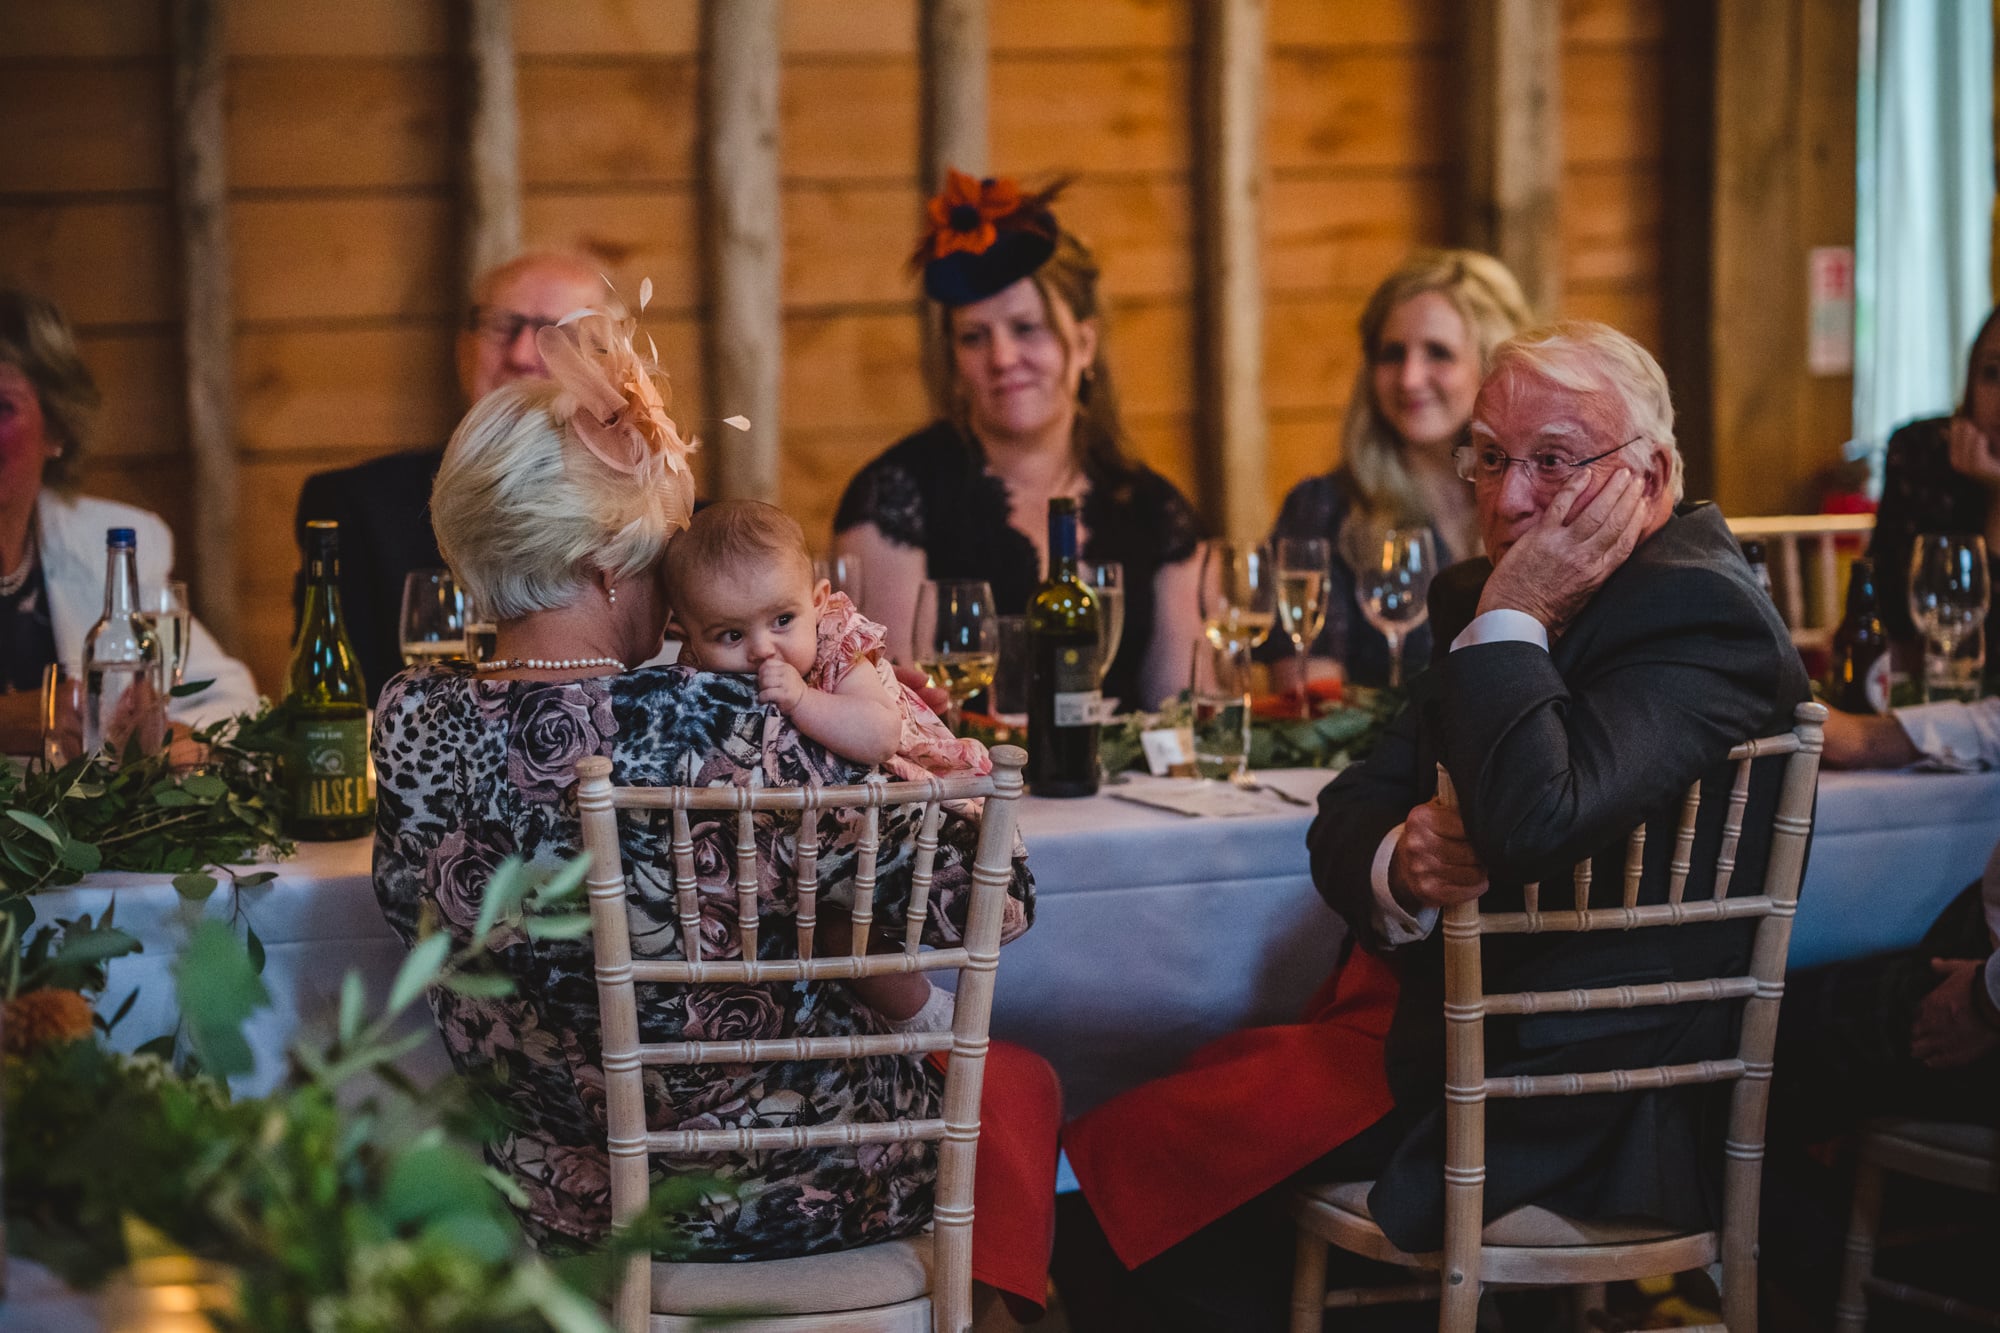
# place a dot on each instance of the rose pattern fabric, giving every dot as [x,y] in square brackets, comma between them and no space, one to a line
[471,771]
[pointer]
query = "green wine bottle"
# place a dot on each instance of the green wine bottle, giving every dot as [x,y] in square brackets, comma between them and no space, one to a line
[327,777]
[1064,702]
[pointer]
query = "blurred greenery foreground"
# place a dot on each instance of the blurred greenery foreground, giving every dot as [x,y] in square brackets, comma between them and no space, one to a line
[347,1201]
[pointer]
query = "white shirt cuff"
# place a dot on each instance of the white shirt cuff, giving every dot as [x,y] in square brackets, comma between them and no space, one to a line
[1395,926]
[1952,735]
[1505,625]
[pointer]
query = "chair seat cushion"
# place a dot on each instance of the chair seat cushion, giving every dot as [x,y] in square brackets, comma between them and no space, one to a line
[896,1270]
[1525,1227]
[1972,1140]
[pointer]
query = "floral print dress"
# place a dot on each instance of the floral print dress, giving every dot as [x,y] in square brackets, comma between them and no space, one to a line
[848,640]
[472,771]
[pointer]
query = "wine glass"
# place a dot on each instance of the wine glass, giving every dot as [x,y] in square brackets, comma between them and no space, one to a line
[957,639]
[1219,693]
[1393,567]
[1106,581]
[432,627]
[1239,597]
[1949,596]
[173,620]
[1302,579]
[843,572]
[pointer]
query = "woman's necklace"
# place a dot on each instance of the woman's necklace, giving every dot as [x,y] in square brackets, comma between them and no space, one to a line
[549,664]
[11,584]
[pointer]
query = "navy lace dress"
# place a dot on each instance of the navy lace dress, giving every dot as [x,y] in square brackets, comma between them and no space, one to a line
[932,491]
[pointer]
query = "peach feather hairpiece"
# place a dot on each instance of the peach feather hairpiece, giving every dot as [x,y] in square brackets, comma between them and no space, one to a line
[619,415]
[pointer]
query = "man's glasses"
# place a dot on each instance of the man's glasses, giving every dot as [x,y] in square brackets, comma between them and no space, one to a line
[1488,462]
[503,326]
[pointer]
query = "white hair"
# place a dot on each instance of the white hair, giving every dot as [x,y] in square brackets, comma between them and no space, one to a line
[1590,358]
[525,518]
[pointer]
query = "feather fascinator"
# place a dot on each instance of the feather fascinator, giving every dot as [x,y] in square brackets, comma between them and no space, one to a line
[617,410]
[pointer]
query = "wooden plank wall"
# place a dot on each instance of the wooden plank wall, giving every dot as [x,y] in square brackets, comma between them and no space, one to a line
[341,162]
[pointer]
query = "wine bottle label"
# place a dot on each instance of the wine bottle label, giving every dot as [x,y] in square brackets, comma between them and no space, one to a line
[332,779]
[1877,683]
[1078,701]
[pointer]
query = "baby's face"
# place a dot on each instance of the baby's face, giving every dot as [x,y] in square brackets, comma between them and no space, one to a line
[745,617]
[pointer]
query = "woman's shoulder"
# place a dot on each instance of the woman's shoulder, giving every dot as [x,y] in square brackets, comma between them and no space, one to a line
[1316,506]
[894,489]
[71,519]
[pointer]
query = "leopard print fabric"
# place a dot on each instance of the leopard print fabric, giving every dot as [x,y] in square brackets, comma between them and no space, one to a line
[473,771]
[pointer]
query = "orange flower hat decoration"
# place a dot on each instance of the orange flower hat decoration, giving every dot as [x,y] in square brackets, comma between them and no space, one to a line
[617,411]
[983,235]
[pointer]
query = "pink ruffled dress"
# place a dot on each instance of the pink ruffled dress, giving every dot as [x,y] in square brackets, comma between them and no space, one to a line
[847,640]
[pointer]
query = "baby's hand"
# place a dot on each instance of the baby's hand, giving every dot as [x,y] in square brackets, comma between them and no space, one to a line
[779,682]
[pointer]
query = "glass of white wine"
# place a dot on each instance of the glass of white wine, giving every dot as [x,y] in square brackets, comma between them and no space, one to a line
[957,639]
[1239,594]
[1393,566]
[1302,578]
[173,621]
[1949,598]
[1106,581]
[432,627]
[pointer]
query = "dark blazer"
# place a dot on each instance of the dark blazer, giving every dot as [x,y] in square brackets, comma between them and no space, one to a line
[383,508]
[1556,755]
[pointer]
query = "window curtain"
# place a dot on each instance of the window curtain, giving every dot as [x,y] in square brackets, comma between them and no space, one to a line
[1924,204]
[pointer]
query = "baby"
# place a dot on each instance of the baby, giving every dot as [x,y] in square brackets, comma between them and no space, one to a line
[740,582]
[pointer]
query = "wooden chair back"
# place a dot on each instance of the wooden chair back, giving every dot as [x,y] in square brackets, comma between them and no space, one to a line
[956,1131]
[1812,619]
[1467,1005]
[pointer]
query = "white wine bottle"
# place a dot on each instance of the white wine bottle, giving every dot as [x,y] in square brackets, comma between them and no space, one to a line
[1065,702]
[327,777]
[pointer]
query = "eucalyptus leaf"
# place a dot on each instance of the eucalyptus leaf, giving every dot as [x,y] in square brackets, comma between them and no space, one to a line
[564,883]
[569,927]
[195,888]
[505,888]
[205,786]
[82,857]
[254,946]
[353,1007]
[478,986]
[38,826]
[219,990]
[189,689]
[418,972]
[172,798]
[254,878]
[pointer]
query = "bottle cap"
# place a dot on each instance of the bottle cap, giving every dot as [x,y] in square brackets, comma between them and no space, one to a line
[121,537]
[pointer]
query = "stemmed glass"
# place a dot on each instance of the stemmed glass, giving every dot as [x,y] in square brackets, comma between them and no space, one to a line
[1393,567]
[172,622]
[844,573]
[1949,596]
[957,639]
[1106,581]
[1302,578]
[432,626]
[1239,596]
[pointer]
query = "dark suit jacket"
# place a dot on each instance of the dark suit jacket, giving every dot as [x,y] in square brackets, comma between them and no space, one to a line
[383,508]
[1556,755]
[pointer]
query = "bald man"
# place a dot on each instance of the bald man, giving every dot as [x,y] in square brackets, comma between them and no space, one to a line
[383,506]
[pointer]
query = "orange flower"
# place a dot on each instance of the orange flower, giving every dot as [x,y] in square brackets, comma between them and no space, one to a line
[44,1018]
[963,214]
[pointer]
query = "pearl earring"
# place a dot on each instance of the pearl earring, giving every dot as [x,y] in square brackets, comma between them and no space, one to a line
[612,593]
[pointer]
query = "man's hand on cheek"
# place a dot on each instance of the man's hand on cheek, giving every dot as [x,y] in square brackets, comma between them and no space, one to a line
[1558,565]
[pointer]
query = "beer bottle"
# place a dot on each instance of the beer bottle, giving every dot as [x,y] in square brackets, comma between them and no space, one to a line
[1860,680]
[1064,701]
[327,777]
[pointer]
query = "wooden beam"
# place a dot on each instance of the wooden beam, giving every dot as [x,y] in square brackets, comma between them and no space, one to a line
[1514,141]
[954,83]
[1230,277]
[744,213]
[201,199]
[492,167]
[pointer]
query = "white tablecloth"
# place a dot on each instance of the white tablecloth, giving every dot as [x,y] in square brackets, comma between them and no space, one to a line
[1154,932]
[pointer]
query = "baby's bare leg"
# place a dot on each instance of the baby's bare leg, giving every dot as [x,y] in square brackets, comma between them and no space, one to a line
[895,997]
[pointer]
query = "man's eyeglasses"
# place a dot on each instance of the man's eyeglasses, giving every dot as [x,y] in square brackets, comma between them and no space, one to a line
[503,326]
[1488,462]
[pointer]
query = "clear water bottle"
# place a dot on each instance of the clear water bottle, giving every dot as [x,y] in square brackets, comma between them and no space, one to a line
[124,694]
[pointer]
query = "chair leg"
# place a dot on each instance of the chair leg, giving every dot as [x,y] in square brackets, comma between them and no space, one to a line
[1582,1300]
[1309,1284]
[1850,1310]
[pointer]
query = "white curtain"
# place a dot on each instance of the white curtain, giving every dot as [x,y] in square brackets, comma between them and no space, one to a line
[1924,207]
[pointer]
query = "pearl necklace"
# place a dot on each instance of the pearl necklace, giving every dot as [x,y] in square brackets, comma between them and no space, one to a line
[549,664]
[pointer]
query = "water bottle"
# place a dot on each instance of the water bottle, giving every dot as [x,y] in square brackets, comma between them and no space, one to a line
[124,692]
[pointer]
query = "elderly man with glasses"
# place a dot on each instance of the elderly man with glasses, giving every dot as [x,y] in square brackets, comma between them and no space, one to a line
[1605,654]
[383,506]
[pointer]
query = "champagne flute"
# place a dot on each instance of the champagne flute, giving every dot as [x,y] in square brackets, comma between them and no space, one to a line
[1393,566]
[1239,601]
[1106,581]
[432,627]
[1949,597]
[957,639]
[173,621]
[1302,579]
